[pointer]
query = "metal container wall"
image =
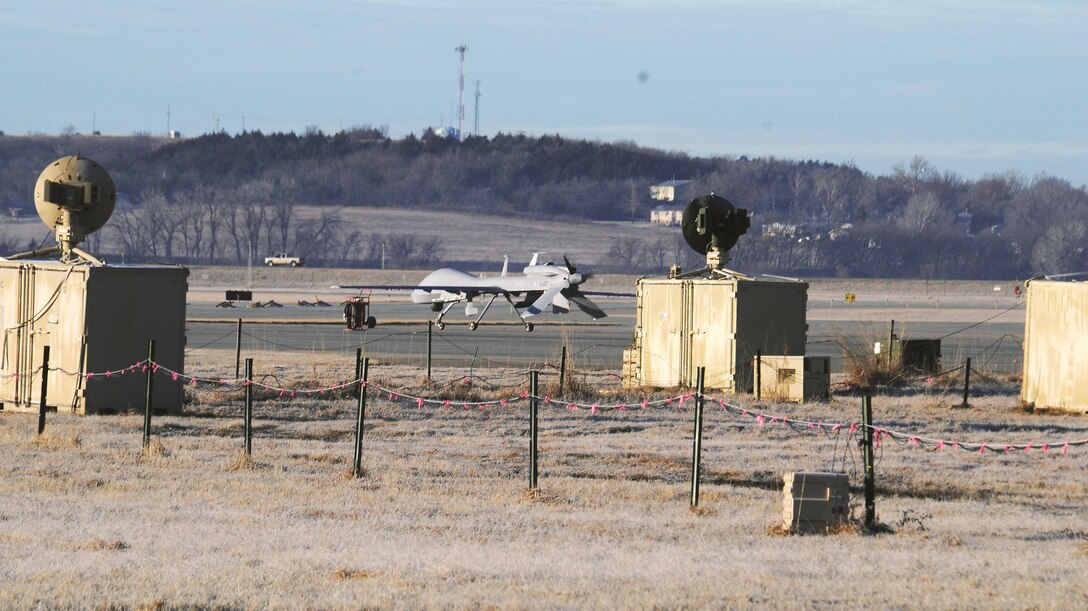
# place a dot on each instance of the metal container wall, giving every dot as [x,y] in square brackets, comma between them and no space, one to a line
[720,323]
[94,319]
[1056,345]
[660,326]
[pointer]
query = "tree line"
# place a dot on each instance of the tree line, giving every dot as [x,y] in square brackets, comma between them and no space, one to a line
[227,199]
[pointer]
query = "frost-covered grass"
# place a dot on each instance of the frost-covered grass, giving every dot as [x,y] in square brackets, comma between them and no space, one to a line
[443,516]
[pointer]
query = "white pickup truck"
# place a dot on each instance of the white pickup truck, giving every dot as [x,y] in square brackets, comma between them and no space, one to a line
[283,259]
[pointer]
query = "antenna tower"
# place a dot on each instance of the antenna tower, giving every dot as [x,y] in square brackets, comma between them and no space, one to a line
[461,93]
[476,121]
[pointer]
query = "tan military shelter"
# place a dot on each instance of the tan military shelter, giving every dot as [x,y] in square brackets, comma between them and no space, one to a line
[718,323]
[94,318]
[1056,345]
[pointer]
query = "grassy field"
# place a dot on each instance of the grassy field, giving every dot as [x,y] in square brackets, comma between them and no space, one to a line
[443,517]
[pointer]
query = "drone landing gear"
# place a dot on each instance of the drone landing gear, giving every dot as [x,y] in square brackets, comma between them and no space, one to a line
[438,321]
[472,326]
[528,325]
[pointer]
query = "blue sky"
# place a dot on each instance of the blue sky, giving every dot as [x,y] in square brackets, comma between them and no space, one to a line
[975,86]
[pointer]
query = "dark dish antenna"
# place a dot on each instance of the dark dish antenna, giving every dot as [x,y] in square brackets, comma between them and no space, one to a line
[711,226]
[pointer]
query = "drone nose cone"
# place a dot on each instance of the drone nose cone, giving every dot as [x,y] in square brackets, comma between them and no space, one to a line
[575,278]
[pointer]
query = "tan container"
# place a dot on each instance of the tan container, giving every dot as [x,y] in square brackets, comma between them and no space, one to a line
[815,502]
[94,319]
[1056,345]
[719,323]
[794,378]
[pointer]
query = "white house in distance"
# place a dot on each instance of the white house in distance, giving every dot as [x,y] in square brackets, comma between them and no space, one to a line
[669,191]
[668,215]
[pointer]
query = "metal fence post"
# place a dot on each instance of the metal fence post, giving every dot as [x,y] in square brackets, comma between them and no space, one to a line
[867,449]
[357,469]
[248,416]
[533,405]
[966,382]
[45,385]
[358,372]
[149,394]
[759,374]
[238,349]
[562,370]
[430,325]
[697,444]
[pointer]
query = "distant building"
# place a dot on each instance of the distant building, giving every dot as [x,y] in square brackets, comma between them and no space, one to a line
[447,132]
[666,215]
[670,190]
[963,221]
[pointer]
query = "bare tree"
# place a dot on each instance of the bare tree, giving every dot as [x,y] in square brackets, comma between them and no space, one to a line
[913,175]
[922,213]
[634,202]
[1060,248]
[318,238]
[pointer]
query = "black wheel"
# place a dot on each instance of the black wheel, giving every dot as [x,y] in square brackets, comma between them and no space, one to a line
[294,263]
[269,264]
[472,326]
[529,327]
[440,325]
[371,322]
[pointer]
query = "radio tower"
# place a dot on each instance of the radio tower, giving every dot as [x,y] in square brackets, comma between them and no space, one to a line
[461,94]
[476,122]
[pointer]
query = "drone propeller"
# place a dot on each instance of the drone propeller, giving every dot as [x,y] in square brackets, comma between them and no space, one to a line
[584,304]
[564,292]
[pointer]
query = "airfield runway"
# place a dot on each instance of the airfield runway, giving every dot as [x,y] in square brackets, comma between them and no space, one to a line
[987,328]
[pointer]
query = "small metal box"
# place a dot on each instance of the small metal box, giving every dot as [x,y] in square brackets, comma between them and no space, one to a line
[815,502]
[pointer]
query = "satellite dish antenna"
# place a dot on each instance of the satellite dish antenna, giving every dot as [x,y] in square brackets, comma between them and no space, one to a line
[712,225]
[74,196]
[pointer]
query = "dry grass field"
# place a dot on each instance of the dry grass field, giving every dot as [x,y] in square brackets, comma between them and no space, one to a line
[443,517]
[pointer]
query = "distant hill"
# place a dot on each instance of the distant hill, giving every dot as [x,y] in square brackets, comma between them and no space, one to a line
[216,198]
